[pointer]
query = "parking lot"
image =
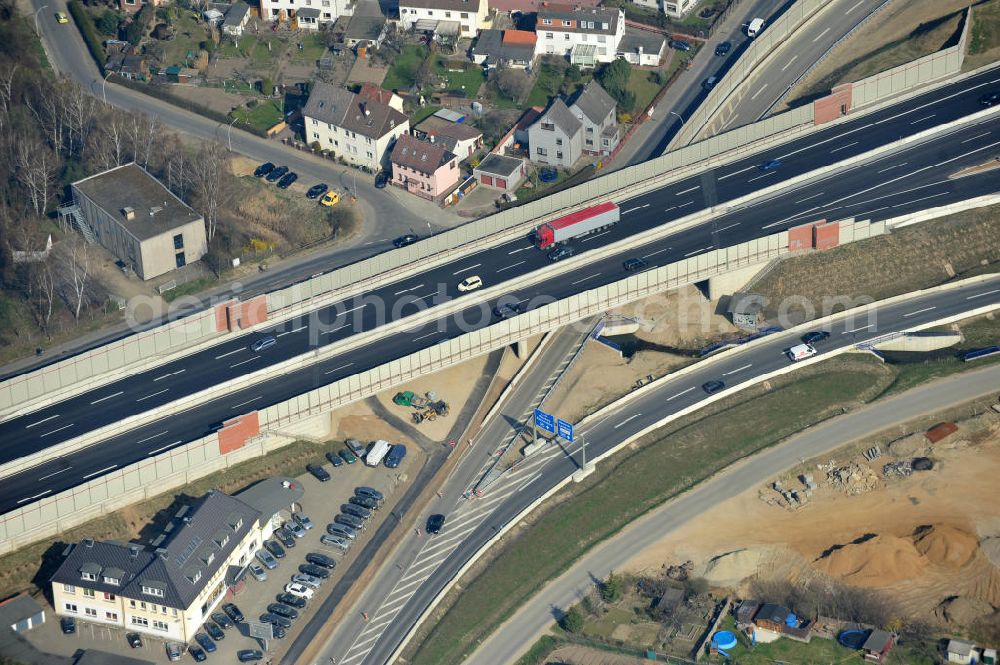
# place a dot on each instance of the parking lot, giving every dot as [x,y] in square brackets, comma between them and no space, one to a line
[321,502]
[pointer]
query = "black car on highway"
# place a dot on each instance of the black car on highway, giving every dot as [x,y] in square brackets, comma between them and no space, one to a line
[321,560]
[233,613]
[317,191]
[634,265]
[290,600]
[263,169]
[283,611]
[287,180]
[318,472]
[435,523]
[274,548]
[722,48]
[404,240]
[507,310]
[276,174]
[314,570]
[560,253]
[712,387]
[815,336]
[990,98]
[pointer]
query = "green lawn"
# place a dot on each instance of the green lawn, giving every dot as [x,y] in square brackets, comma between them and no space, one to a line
[263,116]
[667,462]
[312,49]
[242,48]
[550,78]
[421,113]
[189,32]
[404,67]
[643,84]
[468,80]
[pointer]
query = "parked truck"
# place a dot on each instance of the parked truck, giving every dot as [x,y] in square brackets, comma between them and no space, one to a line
[576,224]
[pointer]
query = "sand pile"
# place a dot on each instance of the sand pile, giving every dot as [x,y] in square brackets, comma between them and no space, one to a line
[877,561]
[946,545]
[731,568]
[962,610]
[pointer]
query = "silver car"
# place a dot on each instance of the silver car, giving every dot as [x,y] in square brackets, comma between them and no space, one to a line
[341,544]
[308,580]
[259,573]
[295,528]
[302,520]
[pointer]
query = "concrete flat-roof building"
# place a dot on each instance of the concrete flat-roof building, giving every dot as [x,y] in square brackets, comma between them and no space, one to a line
[140,221]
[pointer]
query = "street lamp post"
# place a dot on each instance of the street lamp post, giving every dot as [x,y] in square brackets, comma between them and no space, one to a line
[229,133]
[37,30]
[678,117]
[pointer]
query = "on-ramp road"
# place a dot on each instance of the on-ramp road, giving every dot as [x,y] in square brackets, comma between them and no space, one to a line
[533,619]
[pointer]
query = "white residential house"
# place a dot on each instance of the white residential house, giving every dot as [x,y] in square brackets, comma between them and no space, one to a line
[556,137]
[586,35]
[596,111]
[672,8]
[471,15]
[236,19]
[284,10]
[359,130]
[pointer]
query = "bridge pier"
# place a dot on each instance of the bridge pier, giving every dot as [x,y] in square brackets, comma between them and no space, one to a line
[521,348]
[732,281]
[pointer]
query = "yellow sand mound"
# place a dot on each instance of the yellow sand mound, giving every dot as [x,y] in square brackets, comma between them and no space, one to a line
[946,545]
[879,561]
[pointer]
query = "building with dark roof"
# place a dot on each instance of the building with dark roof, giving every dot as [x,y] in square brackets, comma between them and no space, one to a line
[359,130]
[471,15]
[597,112]
[428,170]
[500,172]
[457,137]
[505,48]
[236,19]
[137,219]
[642,47]
[556,137]
[365,30]
[168,591]
[878,645]
[21,613]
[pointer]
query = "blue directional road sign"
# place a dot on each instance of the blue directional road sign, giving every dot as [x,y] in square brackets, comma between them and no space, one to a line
[565,429]
[545,421]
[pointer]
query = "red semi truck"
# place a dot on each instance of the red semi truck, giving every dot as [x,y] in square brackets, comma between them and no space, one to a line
[576,224]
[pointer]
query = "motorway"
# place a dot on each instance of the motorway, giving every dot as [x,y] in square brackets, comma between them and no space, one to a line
[473,523]
[535,617]
[907,180]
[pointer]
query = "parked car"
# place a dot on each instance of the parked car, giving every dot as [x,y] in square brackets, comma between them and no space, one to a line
[302,520]
[317,190]
[341,531]
[470,283]
[222,620]
[263,170]
[370,492]
[679,45]
[283,611]
[396,455]
[335,459]
[267,617]
[282,534]
[173,651]
[300,590]
[308,580]
[134,640]
[990,98]
[267,559]
[338,542]
[815,336]
[278,632]
[404,240]
[330,199]
[770,165]
[364,502]
[351,521]
[711,387]
[249,655]
[435,523]
[295,529]
[213,630]
[197,653]
[357,511]
[635,265]
[68,625]
[291,600]
[723,48]
[356,447]
[315,571]
[274,548]
[233,612]
[287,180]
[258,573]
[276,174]
[381,180]
[321,560]
[560,253]
[206,642]
[348,456]
[319,472]
[507,310]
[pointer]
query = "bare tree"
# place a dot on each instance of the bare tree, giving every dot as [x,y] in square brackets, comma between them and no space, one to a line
[515,83]
[43,288]
[6,93]
[210,186]
[79,272]
[143,132]
[36,167]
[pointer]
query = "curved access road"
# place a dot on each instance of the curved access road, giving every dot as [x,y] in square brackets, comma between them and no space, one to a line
[534,619]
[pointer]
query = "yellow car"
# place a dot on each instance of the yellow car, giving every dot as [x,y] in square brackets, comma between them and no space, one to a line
[61,17]
[330,199]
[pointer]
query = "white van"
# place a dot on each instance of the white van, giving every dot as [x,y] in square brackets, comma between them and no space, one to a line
[377,453]
[755,27]
[800,352]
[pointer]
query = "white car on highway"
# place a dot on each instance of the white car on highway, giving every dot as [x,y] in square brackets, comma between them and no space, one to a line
[299,590]
[470,283]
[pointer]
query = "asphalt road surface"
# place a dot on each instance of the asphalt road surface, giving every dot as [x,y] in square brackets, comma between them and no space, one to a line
[911,179]
[536,617]
[474,522]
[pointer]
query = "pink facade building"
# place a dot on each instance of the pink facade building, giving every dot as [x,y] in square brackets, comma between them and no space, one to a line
[428,170]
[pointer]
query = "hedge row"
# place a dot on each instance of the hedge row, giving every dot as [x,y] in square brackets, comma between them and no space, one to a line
[89,32]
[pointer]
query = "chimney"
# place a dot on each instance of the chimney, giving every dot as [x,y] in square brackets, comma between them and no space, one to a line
[133,551]
[432,138]
[129,213]
[88,542]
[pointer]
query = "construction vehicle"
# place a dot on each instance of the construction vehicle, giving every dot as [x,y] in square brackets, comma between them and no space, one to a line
[432,412]
[410,398]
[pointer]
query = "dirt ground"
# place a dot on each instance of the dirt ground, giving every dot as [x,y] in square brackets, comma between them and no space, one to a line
[868,51]
[930,540]
[364,72]
[212,98]
[673,323]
